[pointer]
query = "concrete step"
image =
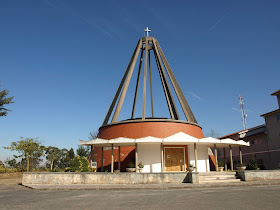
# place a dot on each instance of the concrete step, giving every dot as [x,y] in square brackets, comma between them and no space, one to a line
[226,176]
[216,177]
[219,181]
[216,173]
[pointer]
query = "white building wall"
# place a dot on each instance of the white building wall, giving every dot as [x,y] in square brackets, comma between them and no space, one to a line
[202,157]
[150,156]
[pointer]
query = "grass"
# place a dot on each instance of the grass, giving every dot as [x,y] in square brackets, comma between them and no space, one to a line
[10,178]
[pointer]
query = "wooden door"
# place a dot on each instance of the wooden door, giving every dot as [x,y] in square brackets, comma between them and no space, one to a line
[174,159]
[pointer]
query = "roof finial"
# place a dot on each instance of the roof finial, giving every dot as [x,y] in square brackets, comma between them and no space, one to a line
[147,30]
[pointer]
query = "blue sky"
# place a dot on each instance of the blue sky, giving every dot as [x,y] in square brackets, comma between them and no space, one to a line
[63,61]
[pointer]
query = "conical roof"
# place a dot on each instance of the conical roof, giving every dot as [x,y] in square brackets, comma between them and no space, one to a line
[146,45]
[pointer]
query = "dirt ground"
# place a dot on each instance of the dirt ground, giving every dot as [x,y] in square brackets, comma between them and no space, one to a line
[10,178]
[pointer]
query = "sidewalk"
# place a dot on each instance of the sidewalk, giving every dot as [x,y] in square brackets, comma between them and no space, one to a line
[148,186]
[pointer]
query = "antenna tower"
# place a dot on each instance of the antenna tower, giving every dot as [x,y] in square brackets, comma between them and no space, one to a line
[243,115]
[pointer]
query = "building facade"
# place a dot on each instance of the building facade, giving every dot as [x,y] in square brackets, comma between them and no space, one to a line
[264,141]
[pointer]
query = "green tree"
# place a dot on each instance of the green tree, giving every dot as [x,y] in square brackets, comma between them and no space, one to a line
[3,101]
[64,159]
[29,149]
[79,164]
[71,154]
[12,163]
[83,151]
[52,154]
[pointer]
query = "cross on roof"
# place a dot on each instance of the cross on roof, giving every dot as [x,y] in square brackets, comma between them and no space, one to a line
[147,30]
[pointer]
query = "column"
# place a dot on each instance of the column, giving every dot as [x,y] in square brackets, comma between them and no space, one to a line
[216,157]
[119,166]
[112,159]
[195,157]
[230,154]
[240,155]
[136,158]
[225,160]
[161,154]
[102,151]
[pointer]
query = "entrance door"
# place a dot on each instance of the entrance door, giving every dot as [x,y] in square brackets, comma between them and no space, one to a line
[174,159]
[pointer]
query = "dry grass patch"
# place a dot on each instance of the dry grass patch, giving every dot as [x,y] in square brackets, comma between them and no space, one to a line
[10,178]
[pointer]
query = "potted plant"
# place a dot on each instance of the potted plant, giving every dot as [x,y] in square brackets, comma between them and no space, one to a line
[221,166]
[130,167]
[190,168]
[241,167]
[140,167]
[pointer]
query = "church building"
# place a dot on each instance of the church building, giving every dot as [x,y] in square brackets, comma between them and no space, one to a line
[160,144]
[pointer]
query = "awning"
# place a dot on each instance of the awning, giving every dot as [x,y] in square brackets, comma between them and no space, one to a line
[175,139]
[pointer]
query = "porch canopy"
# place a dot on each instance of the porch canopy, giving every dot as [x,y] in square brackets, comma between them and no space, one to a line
[176,139]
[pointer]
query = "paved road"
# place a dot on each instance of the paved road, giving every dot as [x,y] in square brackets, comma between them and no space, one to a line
[242,197]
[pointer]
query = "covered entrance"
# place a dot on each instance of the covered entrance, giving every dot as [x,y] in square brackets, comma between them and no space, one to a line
[174,158]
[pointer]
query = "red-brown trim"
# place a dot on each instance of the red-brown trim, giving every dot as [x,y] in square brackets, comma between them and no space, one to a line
[143,129]
[276,93]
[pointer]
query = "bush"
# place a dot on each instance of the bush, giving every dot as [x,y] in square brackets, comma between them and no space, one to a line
[221,163]
[140,165]
[79,164]
[4,169]
[252,164]
[57,170]
[131,164]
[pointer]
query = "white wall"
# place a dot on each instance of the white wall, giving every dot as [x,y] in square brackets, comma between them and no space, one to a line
[202,157]
[150,156]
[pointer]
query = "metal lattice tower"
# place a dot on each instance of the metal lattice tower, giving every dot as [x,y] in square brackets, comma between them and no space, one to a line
[243,115]
[146,45]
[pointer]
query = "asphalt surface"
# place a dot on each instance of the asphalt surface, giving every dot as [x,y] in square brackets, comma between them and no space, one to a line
[234,197]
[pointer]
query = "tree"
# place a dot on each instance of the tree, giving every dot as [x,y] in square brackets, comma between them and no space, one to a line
[3,101]
[64,160]
[71,154]
[52,154]
[29,149]
[213,133]
[83,151]
[66,157]
[12,163]
[92,135]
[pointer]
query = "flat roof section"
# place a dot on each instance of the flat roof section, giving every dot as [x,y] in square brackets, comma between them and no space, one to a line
[272,112]
[243,131]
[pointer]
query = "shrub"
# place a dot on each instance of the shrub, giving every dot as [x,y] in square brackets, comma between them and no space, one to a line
[4,169]
[221,163]
[131,164]
[140,165]
[56,170]
[79,164]
[252,164]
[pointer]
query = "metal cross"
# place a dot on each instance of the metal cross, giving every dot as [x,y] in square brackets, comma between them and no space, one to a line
[147,30]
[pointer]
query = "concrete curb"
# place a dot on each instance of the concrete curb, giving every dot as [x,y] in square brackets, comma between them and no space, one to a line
[145,186]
